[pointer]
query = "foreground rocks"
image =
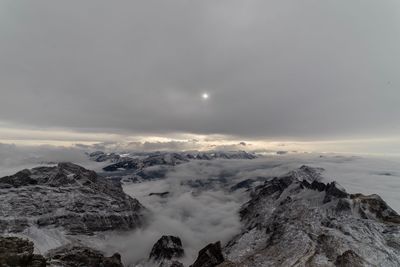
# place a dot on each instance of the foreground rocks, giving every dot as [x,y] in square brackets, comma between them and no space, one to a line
[15,251]
[297,220]
[68,197]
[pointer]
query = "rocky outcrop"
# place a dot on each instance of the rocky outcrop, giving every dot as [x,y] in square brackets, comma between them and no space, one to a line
[297,220]
[350,259]
[66,196]
[375,208]
[210,256]
[166,251]
[15,251]
[78,256]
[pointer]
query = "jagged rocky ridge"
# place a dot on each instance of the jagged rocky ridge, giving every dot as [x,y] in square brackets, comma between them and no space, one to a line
[66,196]
[144,160]
[297,220]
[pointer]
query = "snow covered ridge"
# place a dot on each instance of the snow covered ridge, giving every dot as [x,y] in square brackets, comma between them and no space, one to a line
[136,161]
[66,197]
[296,220]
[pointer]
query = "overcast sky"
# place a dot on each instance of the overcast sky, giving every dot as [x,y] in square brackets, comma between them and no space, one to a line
[306,70]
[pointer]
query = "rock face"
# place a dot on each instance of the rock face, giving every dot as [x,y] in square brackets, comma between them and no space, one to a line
[210,256]
[15,251]
[167,248]
[77,256]
[66,196]
[297,220]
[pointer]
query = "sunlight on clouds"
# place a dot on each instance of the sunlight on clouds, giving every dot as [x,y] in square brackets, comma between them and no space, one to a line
[187,141]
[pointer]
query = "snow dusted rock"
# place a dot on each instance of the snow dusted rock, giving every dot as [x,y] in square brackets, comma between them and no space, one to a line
[210,256]
[100,156]
[168,159]
[222,155]
[15,251]
[18,252]
[166,250]
[76,256]
[66,196]
[296,220]
[125,164]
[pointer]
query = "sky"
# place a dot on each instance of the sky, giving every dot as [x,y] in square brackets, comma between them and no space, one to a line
[276,72]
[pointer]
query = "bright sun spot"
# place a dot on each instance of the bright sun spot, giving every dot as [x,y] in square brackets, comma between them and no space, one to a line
[205,96]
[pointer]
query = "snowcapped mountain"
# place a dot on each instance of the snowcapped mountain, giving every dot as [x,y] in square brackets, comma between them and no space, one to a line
[296,220]
[144,160]
[67,197]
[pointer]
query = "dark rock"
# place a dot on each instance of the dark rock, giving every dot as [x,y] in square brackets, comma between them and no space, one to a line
[374,204]
[276,185]
[22,178]
[349,259]
[167,248]
[315,185]
[18,252]
[332,191]
[162,195]
[243,184]
[343,205]
[209,256]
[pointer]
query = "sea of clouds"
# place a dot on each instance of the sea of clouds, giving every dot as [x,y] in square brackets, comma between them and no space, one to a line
[209,212]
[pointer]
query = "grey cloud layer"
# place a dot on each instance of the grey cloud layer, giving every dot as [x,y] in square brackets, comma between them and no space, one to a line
[272,68]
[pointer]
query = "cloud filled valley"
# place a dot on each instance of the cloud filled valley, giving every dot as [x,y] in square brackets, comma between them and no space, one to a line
[199,199]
